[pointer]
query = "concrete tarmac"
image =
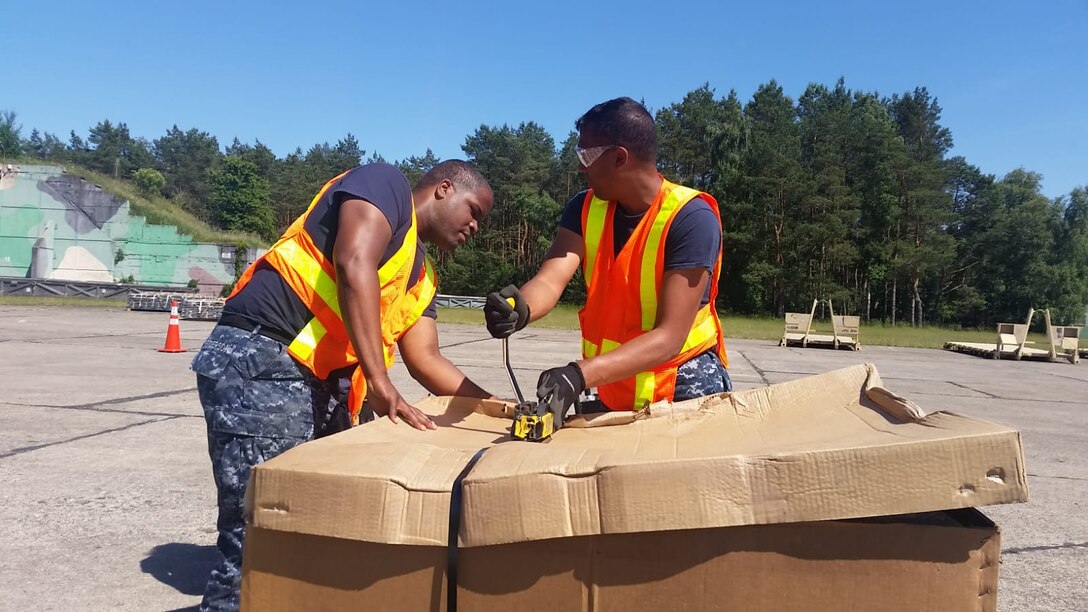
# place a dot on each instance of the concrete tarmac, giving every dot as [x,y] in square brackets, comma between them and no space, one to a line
[108,500]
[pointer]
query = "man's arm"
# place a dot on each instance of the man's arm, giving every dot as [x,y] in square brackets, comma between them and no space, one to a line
[681,293]
[508,310]
[363,235]
[542,292]
[425,362]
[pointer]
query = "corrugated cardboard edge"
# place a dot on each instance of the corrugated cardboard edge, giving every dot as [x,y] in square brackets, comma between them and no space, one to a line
[329,486]
[732,490]
[935,562]
[744,490]
[752,403]
[989,565]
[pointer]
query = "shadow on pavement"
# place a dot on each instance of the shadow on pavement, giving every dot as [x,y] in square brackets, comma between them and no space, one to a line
[182,566]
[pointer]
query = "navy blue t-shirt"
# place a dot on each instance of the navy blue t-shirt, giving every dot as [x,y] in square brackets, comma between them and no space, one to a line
[268,300]
[693,241]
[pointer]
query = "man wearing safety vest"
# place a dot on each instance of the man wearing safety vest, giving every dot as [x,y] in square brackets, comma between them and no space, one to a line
[310,329]
[650,252]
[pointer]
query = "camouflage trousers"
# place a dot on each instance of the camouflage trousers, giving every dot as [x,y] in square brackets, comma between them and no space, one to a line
[258,402]
[702,375]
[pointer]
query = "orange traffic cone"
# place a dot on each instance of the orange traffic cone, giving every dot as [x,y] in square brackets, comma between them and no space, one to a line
[173,332]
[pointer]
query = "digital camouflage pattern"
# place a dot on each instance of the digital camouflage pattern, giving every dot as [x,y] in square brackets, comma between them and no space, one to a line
[258,402]
[90,235]
[701,376]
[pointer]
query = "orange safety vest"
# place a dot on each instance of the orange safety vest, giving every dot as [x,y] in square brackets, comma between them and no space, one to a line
[323,344]
[623,293]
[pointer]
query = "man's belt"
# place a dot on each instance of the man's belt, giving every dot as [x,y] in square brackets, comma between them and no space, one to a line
[240,322]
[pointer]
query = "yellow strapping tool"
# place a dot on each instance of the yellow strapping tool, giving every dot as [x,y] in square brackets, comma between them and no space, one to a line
[530,421]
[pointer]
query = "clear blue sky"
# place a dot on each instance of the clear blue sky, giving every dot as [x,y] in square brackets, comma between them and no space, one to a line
[1011,76]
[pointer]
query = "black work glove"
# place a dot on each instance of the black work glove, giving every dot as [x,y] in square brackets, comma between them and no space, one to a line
[502,318]
[559,388]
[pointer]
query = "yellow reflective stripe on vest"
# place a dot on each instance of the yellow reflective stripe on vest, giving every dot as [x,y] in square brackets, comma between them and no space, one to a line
[407,248]
[646,382]
[588,349]
[426,291]
[647,289]
[595,220]
[644,390]
[700,332]
[592,350]
[311,272]
[647,285]
[306,341]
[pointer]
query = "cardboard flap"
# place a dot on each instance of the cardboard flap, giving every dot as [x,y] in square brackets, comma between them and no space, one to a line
[832,446]
[897,406]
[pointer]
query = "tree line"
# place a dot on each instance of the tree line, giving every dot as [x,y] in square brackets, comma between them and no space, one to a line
[838,194]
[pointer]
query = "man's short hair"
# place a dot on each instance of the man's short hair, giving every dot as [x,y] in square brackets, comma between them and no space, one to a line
[461,173]
[623,122]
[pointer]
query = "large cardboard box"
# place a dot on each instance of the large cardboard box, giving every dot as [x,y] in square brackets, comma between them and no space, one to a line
[754,500]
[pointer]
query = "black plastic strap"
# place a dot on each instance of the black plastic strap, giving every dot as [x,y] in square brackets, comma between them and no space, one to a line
[455,528]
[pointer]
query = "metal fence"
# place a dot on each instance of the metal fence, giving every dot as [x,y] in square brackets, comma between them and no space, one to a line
[157,299]
[66,288]
[459,301]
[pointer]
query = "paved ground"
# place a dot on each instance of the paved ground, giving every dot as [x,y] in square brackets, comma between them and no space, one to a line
[107,493]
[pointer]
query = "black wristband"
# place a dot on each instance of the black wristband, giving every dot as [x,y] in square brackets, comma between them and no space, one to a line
[581,377]
[525,322]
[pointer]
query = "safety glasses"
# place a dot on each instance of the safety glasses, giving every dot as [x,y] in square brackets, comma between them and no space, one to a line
[590,155]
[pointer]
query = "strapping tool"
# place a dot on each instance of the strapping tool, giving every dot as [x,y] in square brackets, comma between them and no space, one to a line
[532,420]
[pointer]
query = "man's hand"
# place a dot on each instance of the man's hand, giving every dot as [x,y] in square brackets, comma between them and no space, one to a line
[392,406]
[558,389]
[502,318]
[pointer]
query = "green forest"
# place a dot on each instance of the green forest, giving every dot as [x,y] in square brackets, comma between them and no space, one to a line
[836,194]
